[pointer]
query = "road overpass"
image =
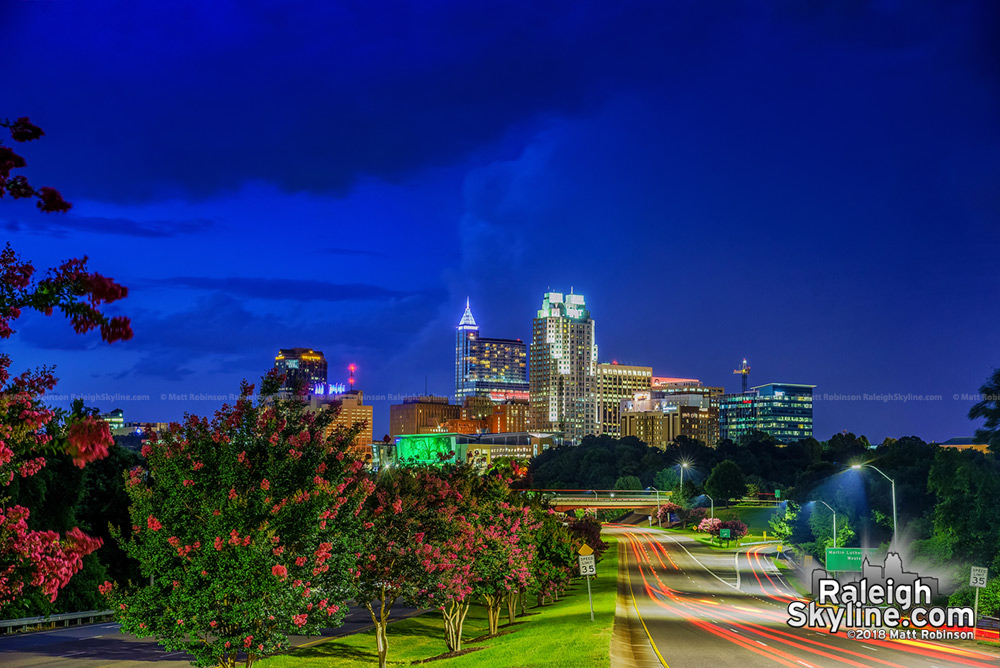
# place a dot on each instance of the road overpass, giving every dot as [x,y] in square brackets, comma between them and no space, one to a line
[572,499]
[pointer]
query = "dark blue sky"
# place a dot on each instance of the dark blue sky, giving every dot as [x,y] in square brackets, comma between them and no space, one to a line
[812,185]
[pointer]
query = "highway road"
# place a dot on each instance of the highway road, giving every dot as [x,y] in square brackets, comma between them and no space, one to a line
[694,616]
[104,646]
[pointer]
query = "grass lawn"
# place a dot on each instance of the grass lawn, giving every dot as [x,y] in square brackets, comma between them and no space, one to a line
[754,517]
[559,635]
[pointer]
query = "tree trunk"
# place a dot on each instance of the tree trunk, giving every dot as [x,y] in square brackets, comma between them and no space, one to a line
[492,611]
[454,618]
[381,622]
[524,598]
[512,597]
[541,601]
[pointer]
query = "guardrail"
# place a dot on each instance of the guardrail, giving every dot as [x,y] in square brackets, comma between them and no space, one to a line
[51,621]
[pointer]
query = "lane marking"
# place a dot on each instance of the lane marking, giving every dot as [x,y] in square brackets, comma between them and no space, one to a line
[628,576]
[728,584]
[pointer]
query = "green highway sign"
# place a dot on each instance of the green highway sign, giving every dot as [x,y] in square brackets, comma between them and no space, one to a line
[777,494]
[844,558]
[724,533]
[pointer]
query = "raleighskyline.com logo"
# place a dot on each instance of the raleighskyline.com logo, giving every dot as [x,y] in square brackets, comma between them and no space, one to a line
[887,602]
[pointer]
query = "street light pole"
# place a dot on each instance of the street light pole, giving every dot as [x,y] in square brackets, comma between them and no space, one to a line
[895,542]
[684,465]
[713,505]
[834,521]
[657,505]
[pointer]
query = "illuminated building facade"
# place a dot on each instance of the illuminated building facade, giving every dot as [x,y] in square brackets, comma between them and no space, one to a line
[782,410]
[422,415]
[479,450]
[563,368]
[491,368]
[115,419]
[655,428]
[615,384]
[302,368]
[510,416]
[696,404]
[353,411]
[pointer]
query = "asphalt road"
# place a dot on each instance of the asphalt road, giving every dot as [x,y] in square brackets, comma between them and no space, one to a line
[694,615]
[104,646]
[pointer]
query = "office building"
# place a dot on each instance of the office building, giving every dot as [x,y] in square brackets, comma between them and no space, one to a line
[303,369]
[617,383]
[782,410]
[492,368]
[509,417]
[655,428]
[697,406]
[115,419]
[353,411]
[563,362]
[422,415]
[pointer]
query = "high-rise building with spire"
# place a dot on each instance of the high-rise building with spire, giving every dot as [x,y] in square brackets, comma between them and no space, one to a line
[564,368]
[484,367]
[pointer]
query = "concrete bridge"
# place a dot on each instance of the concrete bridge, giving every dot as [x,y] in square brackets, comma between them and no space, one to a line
[571,499]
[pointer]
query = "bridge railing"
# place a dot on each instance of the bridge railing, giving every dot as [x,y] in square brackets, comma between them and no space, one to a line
[51,621]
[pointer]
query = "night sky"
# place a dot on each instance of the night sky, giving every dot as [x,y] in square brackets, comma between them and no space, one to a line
[812,185]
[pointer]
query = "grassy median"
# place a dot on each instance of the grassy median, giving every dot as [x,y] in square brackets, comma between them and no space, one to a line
[558,634]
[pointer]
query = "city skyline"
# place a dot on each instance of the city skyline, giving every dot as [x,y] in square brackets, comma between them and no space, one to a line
[811,190]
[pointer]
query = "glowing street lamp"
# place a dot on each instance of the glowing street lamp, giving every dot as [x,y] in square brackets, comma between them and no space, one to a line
[834,521]
[684,465]
[894,535]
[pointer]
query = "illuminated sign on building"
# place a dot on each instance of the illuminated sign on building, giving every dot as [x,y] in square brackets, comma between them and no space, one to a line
[325,389]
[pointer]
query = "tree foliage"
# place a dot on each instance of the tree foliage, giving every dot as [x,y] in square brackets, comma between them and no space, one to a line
[36,561]
[246,526]
[726,481]
[989,408]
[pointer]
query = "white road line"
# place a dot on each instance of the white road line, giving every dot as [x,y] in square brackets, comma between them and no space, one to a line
[701,564]
[763,643]
[871,648]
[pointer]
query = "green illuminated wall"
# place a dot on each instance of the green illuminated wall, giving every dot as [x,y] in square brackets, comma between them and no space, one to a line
[426,449]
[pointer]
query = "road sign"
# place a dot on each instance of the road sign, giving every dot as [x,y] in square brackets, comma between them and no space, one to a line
[978,577]
[588,564]
[724,533]
[585,550]
[777,493]
[844,558]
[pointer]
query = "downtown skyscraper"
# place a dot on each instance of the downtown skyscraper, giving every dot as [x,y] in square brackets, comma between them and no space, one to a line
[495,369]
[563,361]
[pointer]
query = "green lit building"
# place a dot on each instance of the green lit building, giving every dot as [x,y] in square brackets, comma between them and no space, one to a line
[478,450]
[782,410]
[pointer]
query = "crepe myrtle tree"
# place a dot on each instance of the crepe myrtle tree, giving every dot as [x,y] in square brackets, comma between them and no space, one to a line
[447,580]
[235,521]
[33,560]
[555,555]
[502,539]
[407,519]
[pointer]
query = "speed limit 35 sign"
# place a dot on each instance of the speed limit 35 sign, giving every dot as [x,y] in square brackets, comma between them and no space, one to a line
[588,564]
[978,577]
